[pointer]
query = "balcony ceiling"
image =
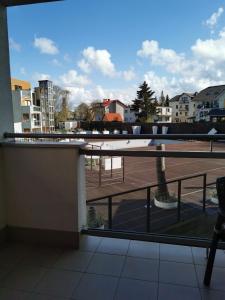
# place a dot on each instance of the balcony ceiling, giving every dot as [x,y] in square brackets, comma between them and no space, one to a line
[23,2]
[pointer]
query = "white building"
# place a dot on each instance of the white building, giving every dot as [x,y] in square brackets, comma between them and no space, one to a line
[68,125]
[27,117]
[129,115]
[163,114]
[211,99]
[183,108]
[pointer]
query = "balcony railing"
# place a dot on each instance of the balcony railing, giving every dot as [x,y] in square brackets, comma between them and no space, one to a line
[147,233]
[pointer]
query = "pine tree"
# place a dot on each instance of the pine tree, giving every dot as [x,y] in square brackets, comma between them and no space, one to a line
[147,102]
[167,102]
[136,107]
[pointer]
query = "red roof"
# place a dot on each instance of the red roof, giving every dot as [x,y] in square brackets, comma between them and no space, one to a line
[112,117]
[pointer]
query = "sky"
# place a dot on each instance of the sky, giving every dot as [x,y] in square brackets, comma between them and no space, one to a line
[105,49]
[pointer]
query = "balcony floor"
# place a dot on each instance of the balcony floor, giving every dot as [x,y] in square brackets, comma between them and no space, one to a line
[106,268]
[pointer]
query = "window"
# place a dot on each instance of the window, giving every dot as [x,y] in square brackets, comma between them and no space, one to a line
[186,107]
[186,113]
[176,106]
[176,113]
[26,117]
[180,112]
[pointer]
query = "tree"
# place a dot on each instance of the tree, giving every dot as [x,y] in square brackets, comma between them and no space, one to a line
[82,112]
[136,107]
[61,100]
[162,190]
[144,104]
[167,102]
[96,110]
[162,99]
[63,115]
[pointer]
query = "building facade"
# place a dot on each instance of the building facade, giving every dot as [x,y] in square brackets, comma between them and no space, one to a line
[163,114]
[27,115]
[43,94]
[183,107]
[210,103]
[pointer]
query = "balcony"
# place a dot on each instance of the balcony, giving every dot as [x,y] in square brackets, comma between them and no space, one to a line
[84,263]
[106,268]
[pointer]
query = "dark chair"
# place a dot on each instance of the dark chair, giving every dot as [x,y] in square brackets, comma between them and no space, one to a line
[219,229]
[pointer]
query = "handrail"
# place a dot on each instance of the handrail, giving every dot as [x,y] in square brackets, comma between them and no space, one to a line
[202,137]
[155,153]
[145,187]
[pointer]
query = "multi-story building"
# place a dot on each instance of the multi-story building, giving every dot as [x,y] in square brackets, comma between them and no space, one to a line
[183,107]
[210,103]
[107,107]
[27,115]
[163,114]
[114,106]
[43,94]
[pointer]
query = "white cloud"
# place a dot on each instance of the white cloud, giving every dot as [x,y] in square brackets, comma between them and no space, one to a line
[204,67]
[40,76]
[45,45]
[71,79]
[84,66]
[98,59]
[14,45]
[211,49]
[66,57]
[128,74]
[213,19]
[56,62]
[81,94]
[23,71]
[173,61]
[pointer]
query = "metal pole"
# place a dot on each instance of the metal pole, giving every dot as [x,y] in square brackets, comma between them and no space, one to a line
[179,200]
[111,166]
[110,213]
[211,146]
[91,157]
[123,169]
[204,192]
[148,219]
[100,171]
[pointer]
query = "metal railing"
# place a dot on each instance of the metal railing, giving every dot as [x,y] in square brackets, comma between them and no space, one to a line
[149,200]
[184,240]
[100,166]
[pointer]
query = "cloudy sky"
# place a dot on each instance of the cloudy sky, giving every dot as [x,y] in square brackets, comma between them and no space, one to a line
[105,49]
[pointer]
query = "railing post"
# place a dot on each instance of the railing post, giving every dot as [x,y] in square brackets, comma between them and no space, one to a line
[204,192]
[100,171]
[211,146]
[148,219]
[111,166]
[123,169]
[110,212]
[179,201]
[91,157]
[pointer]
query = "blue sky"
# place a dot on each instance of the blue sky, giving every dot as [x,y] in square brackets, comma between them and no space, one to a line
[105,49]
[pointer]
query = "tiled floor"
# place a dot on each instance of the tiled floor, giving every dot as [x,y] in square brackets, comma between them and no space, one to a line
[105,269]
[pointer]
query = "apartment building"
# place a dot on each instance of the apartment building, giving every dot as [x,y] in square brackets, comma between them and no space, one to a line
[210,103]
[183,107]
[163,114]
[43,94]
[27,115]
